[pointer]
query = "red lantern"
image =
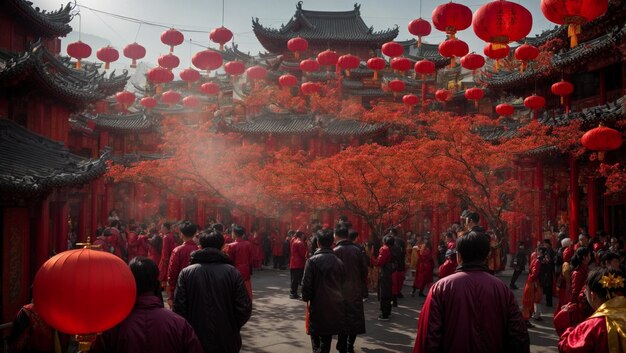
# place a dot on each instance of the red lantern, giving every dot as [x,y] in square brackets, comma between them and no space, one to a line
[189,75]
[309,65]
[148,102]
[410,100]
[419,28]
[108,55]
[256,72]
[135,52]
[348,62]
[452,17]
[125,99]
[221,36]
[526,53]
[376,64]
[309,88]
[474,94]
[424,67]
[297,45]
[287,80]
[496,54]
[169,61]
[452,48]
[172,38]
[602,139]
[210,88]
[573,13]
[472,61]
[401,64]
[159,75]
[191,102]
[501,22]
[235,68]
[327,58]
[443,95]
[505,109]
[170,97]
[563,89]
[207,60]
[78,50]
[84,291]
[392,49]
[534,103]
[396,86]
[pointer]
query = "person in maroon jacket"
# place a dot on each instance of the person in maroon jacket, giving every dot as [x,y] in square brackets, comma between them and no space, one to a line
[471,310]
[449,266]
[240,252]
[296,263]
[180,256]
[169,243]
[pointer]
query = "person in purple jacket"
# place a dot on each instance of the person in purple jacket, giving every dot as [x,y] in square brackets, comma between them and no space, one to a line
[149,327]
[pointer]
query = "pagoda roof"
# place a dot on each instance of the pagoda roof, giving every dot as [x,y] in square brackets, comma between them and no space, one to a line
[32,164]
[129,122]
[57,76]
[323,28]
[425,51]
[41,22]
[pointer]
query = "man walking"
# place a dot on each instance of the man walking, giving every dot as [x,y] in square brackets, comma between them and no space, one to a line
[241,253]
[296,263]
[180,256]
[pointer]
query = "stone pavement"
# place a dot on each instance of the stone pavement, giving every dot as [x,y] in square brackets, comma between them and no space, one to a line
[277,322]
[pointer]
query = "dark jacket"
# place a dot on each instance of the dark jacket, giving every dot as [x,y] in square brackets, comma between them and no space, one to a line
[150,328]
[322,287]
[546,270]
[471,311]
[211,295]
[356,275]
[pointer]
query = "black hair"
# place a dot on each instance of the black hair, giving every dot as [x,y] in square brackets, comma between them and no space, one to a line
[341,231]
[117,224]
[393,231]
[579,255]
[291,232]
[218,227]
[449,234]
[188,229]
[325,238]
[167,226]
[473,247]
[99,231]
[299,234]
[547,241]
[238,230]
[389,240]
[353,234]
[474,217]
[107,232]
[609,256]
[213,240]
[146,274]
[604,292]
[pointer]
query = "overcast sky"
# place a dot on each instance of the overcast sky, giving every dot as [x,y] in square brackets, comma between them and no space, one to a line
[100,29]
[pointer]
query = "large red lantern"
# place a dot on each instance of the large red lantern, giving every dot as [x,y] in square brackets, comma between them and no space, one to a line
[419,28]
[125,99]
[210,88]
[172,38]
[376,64]
[526,53]
[602,139]
[392,49]
[256,72]
[84,292]
[108,55]
[452,48]
[348,62]
[309,88]
[534,103]
[189,75]
[410,100]
[221,36]
[297,45]
[235,68]
[159,75]
[327,58]
[473,61]
[505,109]
[443,95]
[474,94]
[451,18]
[424,67]
[401,64]
[501,22]
[563,89]
[287,80]
[78,50]
[207,60]
[135,52]
[169,61]
[170,97]
[191,102]
[496,53]
[148,102]
[573,13]
[396,86]
[309,65]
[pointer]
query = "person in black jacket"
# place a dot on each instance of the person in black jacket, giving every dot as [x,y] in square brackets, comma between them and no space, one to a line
[546,258]
[356,274]
[322,288]
[212,296]
[518,262]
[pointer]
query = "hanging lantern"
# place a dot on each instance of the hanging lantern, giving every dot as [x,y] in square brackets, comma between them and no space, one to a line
[256,72]
[191,102]
[501,22]
[78,50]
[534,103]
[392,49]
[424,67]
[297,45]
[410,100]
[505,109]
[235,68]
[207,60]
[419,28]
[309,65]
[124,99]
[135,52]
[148,102]
[526,53]
[189,75]
[210,88]
[108,55]
[73,291]
[221,36]
[473,61]
[172,38]
[159,75]
[376,64]
[451,18]
[348,62]
[474,94]
[309,88]
[563,89]
[170,97]
[602,139]
[401,64]
[396,86]
[287,80]
[169,61]
[573,13]
[443,95]
[452,48]
[327,58]
[496,54]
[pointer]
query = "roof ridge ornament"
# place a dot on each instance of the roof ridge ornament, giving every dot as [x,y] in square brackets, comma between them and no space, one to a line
[357,8]
[299,6]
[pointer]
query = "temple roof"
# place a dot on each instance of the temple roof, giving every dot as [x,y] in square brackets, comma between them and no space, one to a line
[41,22]
[131,122]
[323,28]
[426,51]
[33,164]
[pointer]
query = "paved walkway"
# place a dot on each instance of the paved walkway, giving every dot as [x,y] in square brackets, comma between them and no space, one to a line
[277,323]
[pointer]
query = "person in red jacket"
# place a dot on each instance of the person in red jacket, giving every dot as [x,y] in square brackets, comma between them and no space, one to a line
[386,264]
[240,252]
[297,259]
[449,266]
[169,243]
[532,292]
[180,256]
[424,269]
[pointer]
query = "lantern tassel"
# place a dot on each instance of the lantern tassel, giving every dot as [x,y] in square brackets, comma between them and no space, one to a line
[573,30]
[496,66]
[221,47]
[452,62]
[78,64]
[297,55]
[159,89]
[522,67]
[375,77]
[419,41]
[171,48]
[133,65]
[601,155]
[347,72]
[562,100]
[106,65]
[476,103]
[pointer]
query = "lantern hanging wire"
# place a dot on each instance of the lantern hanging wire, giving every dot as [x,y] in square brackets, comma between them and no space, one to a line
[137,34]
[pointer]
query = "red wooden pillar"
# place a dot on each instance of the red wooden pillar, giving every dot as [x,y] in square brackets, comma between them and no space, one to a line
[592,192]
[573,200]
[42,245]
[182,208]
[63,227]
[539,203]
[15,261]
[139,210]
[173,208]
[200,216]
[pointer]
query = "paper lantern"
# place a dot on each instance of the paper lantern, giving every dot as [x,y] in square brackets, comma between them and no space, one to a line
[602,139]
[505,109]
[392,49]
[474,94]
[348,62]
[376,64]
[221,36]
[309,88]
[107,55]
[573,13]
[473,61]
[210,88]
[526,53]
[207,60]
[500,22]
[135,52]
[419,28]
[424,67]
[401,64]
[256,72]
[78,50]
[287,80]
[396,86]
[190,76]
[170,97]
[169,61]
[235,68]
[297,45]
[410,100]
[496,53]
[172,38]
[562,89]
[534,102]
[125,98]
[452,48]
[451,18]
[148,102]
[327,58]
[159,75]
[309,65]
[443,95]
[191,102]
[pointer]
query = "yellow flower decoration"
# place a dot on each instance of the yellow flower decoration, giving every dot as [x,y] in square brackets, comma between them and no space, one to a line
[611,281]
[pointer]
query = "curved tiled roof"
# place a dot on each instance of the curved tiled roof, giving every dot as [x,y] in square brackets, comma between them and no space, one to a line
[131,122]
[40,22]
[33,164]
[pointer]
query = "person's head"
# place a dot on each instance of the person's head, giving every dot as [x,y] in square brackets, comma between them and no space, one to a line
[449,236]
[218,227]
[238,231]
[146,274]
[353,234]
[610,260]
[99,231]
[115,224]
[113,213]
[188,229]
[393,232]
[341,231]
[389,240]
[547,243]
[166,227]
[299,234]
[581,256]
[603,284]
[583,239]
[473,218]
[566,243]
[325,238]
[520,245]
[614,243]
[473,247]
[451,254]
[213,240]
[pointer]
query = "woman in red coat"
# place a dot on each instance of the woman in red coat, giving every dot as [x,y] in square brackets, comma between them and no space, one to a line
[578,309]
[424,269]
[532,292]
